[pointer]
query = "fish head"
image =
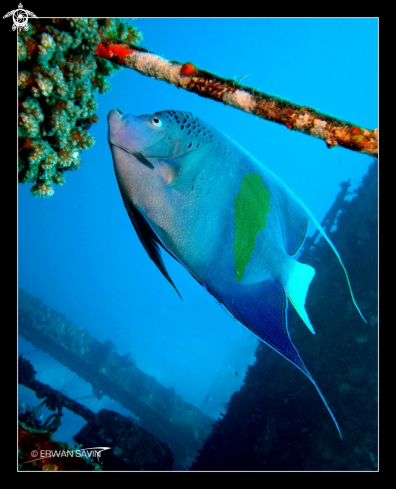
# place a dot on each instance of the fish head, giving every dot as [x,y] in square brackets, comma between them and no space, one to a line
[133,134]
[169,146]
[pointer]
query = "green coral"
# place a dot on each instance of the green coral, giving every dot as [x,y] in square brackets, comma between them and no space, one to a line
[119,30]
[58,78]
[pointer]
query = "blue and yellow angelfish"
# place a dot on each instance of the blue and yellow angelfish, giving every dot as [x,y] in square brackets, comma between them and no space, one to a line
[234,225]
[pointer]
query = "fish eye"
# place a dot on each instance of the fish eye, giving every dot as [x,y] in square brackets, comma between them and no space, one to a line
[156,121]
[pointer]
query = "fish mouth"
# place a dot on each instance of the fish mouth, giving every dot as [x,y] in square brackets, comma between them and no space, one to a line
[137,154]
[114,118]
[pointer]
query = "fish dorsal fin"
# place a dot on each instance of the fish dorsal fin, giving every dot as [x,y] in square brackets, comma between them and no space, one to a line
[323,233]
[294,216]
[297,211]
[187,167]
[148,238]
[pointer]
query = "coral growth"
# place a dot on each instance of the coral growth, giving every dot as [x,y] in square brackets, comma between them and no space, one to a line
[36,451]
[118,30]
[58,79]
[188,69]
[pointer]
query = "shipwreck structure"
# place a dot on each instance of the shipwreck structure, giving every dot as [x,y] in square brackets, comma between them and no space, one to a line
[161,410]
[277,421]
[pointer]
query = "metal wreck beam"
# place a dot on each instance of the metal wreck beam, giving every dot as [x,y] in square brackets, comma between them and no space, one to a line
[335,132]
[160,409]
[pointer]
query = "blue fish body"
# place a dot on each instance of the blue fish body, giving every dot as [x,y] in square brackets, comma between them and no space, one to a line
[232,223]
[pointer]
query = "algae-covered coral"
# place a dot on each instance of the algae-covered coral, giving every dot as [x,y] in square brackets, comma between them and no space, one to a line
[58,78]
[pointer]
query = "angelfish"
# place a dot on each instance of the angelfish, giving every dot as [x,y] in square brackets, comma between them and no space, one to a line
[232,223]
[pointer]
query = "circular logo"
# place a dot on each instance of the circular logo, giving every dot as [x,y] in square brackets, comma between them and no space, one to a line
[20,18]
[34,453]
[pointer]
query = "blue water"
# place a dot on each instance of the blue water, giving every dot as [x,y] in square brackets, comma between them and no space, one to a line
[78,251]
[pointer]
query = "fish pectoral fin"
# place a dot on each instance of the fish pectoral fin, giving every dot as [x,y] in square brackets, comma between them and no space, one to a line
[300,277]
[148,238]
[187,167]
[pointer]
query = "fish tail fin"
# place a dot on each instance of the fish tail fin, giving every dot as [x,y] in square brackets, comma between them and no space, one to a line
[297,284]
[323,233]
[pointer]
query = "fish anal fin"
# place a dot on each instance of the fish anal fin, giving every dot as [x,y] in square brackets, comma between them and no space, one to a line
[262,307]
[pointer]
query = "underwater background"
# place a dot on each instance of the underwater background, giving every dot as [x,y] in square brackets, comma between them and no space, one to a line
[78,252]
